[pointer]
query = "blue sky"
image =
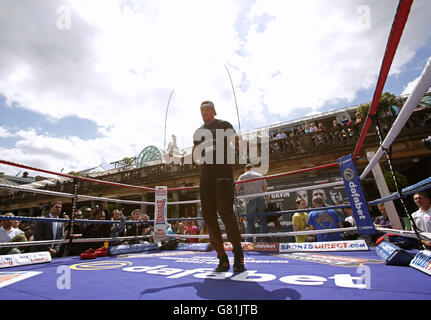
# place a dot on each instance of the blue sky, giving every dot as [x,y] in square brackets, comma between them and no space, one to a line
[87,83]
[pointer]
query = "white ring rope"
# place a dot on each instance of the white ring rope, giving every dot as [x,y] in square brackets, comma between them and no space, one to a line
[413,100]
[184,236]
[404,233]
[83,240]
[68,195]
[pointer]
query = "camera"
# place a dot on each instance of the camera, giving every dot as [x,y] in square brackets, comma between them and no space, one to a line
[427,142]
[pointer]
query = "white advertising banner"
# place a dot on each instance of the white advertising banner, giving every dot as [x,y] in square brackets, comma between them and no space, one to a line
[353,245]
[22,259]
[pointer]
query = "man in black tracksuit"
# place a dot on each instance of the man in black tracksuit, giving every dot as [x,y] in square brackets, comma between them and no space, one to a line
[217,184]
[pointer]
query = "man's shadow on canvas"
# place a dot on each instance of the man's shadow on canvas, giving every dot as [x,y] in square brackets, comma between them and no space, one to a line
[227,289]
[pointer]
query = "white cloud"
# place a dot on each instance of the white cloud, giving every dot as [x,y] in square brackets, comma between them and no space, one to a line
[309,56]
[410,86]
[5,133]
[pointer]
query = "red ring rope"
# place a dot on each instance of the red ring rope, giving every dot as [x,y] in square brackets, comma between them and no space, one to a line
[398,25]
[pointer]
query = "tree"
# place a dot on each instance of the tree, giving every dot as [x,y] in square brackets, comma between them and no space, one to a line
[387,100]
[401,179]
[126,161]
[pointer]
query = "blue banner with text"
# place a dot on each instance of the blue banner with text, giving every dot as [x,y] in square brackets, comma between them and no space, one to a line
[356,196]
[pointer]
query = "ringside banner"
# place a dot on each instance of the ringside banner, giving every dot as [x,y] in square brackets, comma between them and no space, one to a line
[356,195]
[160,213]
[22,259]
[351,245]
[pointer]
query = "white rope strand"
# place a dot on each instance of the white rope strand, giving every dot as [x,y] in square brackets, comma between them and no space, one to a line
[413,100]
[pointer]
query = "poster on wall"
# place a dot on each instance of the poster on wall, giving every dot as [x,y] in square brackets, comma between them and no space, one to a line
[285,200]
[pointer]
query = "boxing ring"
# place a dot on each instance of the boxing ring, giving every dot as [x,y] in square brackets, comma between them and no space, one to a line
[186,275]
[345,270]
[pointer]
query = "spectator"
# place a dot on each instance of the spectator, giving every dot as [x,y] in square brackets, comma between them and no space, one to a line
[242,225]
[15,224]
[77,227]
[87,214]
[50,231]
[300,130]
[422,217]
[10,234]
[173,228]
[181,227]
[344,121]
[135,229]
[358,118]
[322,127]
[299,220]
[281,134]
[313,127]
[274,218]
[75,248]
[96,230]
[349,222]
[204,231]
[147,230]
[335,124]
[324,219]
[192,229]
[29,231]
[117,229]
[307,128]
[256,204]
[343,134]
[382,220]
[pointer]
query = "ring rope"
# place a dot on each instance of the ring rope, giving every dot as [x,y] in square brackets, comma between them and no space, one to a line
[406,191]
[400,20]
[413,100]
[66,241]
[70,195]
[398,25]
[404,233]
[78,177]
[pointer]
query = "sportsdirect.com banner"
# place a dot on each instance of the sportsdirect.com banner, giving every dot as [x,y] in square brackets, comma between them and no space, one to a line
[356,196]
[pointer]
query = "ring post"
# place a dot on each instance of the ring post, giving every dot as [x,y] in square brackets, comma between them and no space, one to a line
[74,205]
[356,196]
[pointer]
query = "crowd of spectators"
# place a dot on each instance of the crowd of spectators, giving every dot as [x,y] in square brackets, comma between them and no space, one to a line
[324,132]
[340,129]
[319,219]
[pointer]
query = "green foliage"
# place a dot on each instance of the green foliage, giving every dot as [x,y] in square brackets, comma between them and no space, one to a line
[401,179]
[128,161]
[387,100]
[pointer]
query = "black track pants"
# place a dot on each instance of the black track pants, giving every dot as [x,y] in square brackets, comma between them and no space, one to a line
[217,195]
